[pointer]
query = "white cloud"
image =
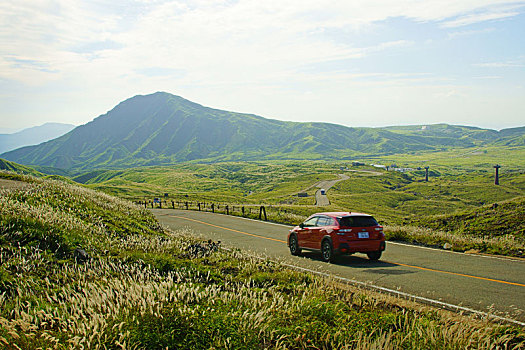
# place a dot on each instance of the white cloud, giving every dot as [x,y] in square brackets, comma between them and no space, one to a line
[463,33]
[217,51]
[476,18]
[506,64]
[209,39]
[448,94]
[492,77]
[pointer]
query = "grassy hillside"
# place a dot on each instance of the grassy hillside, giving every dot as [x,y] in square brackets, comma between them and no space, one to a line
[394,196]
[461,160]
[17,168]
[404,202]
[391,196]
[497,228]
[82,269]
[234,182]
[499,219]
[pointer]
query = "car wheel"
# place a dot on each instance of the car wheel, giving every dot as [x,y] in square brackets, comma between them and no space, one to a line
[374,255]
[294,246]
[327,252]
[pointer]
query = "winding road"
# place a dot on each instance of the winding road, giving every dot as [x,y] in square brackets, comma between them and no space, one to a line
[473,282]
[322,199]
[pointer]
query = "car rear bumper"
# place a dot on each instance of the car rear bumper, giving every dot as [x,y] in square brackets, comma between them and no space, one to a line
[361,246]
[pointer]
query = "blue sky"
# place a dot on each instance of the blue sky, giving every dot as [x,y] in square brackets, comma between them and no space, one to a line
[356,63]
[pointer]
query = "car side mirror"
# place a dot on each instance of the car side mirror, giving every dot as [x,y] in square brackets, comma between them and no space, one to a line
[301,225]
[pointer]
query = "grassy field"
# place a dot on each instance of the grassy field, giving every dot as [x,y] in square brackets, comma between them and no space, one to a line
[82,269]
[462,160]
[460,188]
[249,182]
[447,209]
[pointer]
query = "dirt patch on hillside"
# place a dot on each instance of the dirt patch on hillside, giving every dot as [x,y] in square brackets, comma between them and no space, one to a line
[12,184]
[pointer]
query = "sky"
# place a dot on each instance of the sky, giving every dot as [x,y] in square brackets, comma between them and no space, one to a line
[358,63]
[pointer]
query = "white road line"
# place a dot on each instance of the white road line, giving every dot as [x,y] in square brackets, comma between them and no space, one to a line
[243,218]
[389,242]
[459,253]
[447,306]
[407,296]
[428,301]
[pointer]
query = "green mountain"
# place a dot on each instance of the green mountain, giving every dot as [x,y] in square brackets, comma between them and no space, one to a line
[162,128]
[474,135]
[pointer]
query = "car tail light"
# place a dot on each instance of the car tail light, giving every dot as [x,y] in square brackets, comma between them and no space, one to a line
[342,231]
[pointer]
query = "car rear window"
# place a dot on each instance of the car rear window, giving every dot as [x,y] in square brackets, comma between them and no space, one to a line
[357,221]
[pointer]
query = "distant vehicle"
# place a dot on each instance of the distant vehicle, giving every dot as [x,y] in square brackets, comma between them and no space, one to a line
[323,191]
[338,233]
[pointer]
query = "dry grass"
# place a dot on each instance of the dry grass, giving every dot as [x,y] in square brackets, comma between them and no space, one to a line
[107,298]
[145,287]
[504,245]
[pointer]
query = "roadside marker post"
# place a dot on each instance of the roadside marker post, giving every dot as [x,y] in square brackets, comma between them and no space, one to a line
[496,179]
[261,211]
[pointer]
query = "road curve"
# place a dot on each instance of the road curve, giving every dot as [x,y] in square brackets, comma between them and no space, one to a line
[322,200]
[477,282]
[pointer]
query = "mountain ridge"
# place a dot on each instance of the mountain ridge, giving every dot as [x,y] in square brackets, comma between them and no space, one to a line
[161,129]
[33,135]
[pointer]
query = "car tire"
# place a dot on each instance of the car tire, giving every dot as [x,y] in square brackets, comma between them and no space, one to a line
[374,255]
[327,251]
[294,245]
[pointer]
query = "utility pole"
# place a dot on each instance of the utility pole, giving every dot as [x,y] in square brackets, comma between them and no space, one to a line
[496,179]
[426,173]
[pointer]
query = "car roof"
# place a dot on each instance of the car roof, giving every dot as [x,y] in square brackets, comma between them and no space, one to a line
[339,214]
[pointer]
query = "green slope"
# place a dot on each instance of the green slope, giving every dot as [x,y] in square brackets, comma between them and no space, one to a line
[17,168]
[498,219]
[162,129]
[454,135]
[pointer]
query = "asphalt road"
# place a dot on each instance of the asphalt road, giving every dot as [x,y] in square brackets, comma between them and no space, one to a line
[477,282]
[322,199]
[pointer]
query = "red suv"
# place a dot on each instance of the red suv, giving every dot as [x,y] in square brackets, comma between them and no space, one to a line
[338,233]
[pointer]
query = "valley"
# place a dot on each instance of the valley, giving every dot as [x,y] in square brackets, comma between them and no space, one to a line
[402,201]
[459,205]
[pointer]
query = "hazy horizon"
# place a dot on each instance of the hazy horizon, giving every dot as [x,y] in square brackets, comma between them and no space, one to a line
[7,130]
